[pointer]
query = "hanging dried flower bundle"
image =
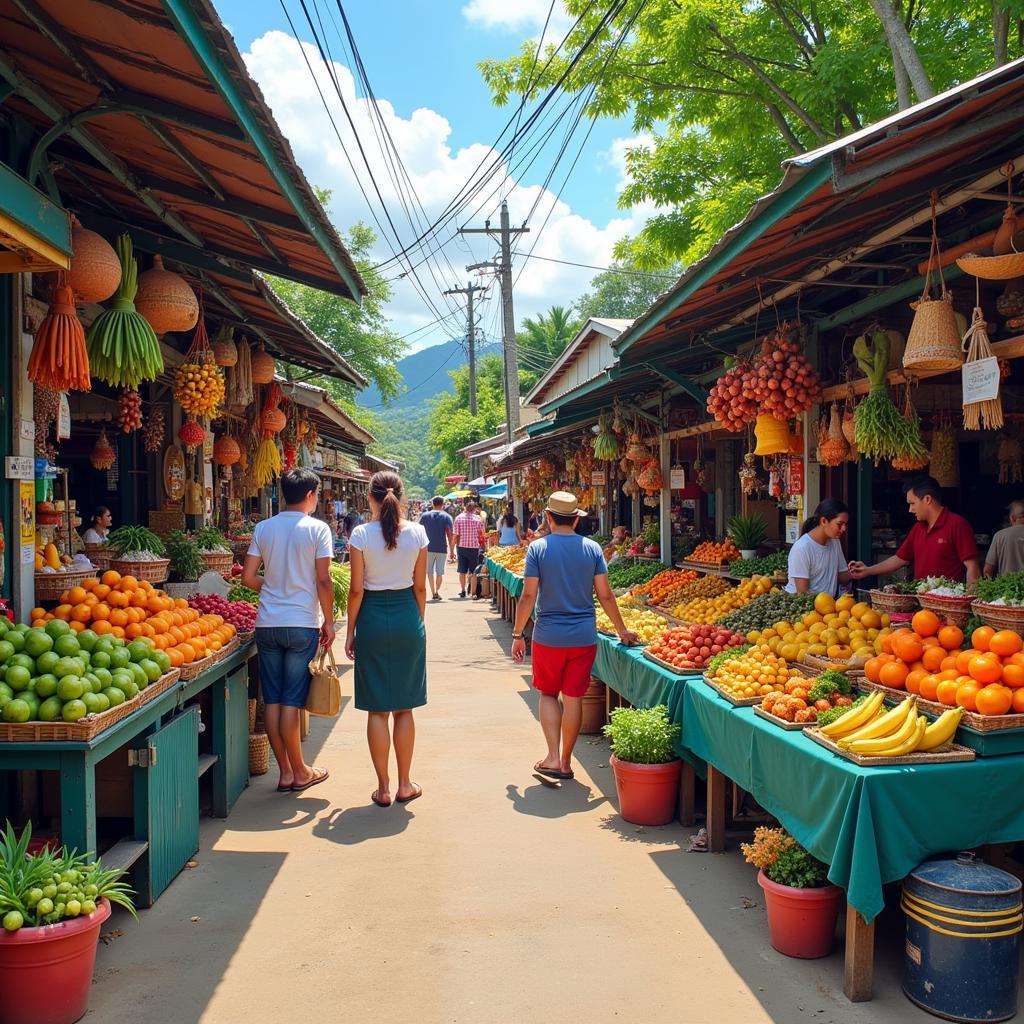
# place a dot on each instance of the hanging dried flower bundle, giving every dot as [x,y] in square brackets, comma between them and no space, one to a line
[103,455]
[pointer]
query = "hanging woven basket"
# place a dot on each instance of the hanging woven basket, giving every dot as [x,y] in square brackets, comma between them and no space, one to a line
[772,435]
[166,300]
[225,351]
[226,451]
[191,435]
[95,270]
[262,367]
[273,420]
[103,455]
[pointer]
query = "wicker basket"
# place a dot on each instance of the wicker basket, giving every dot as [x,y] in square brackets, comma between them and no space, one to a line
[195,668]
[152,572]
[239,549]
[259,754]
[956,610]
[50,585]
[993,268]
[217,561]
[165,520]
[934,339]
[1000,616]
[100,555]
[893,603]
[252,715]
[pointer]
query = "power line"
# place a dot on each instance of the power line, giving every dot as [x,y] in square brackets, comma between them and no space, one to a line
[590,266]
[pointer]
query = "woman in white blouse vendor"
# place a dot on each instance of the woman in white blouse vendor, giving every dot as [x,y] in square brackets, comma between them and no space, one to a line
[99,526]
[817,564]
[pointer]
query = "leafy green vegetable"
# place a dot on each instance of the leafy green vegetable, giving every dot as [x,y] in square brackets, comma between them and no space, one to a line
[240,592]
[135,538]
[827,683]
[642,735]
[766,610]
[828,717]
[767,566]
[1009,587]
[209,538]
[626,575]
[186,562]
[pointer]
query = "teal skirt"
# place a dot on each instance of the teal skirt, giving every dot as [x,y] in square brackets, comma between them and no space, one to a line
[391,652]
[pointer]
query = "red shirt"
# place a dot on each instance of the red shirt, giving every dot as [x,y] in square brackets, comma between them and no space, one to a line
[941,550]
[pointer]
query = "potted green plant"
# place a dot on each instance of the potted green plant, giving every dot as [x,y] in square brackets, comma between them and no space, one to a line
[801,903]
[186,563]
[646,767]
[747,533]
[52,905]
[214,549]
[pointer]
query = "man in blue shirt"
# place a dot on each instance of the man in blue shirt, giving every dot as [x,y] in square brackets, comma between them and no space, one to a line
[440,534]
[563,573]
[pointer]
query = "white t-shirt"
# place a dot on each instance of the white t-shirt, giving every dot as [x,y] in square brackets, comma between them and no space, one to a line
[92,536]
[819,564]
[384,569]
[289,544]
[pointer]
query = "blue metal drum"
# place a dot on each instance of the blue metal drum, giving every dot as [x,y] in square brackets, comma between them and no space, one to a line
[964,919]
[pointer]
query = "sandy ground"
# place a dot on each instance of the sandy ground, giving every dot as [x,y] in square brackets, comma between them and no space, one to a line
[491,899]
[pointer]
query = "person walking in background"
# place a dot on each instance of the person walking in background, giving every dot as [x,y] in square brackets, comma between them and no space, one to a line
[295,615]
[469,538]
[386,636]
[1006,552]
[441,536]
[563,573]
[510,530]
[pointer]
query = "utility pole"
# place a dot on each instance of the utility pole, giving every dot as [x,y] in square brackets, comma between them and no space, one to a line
[503,267]
[468,291]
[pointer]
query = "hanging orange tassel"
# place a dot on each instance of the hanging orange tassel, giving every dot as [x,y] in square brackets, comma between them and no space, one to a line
[59,359]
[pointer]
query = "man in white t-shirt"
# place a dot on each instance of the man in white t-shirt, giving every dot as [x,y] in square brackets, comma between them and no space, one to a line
[295,617]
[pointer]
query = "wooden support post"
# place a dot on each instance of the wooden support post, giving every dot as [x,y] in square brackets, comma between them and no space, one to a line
[687,794]
[859,969]
[716,810]
[78,802]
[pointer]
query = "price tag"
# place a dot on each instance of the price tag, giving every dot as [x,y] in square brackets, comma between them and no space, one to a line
[27,430]
[980,380]
[20,467]
[677,478]
[598,478]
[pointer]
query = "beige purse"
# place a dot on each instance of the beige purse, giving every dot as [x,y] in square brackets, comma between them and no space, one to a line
[325,686]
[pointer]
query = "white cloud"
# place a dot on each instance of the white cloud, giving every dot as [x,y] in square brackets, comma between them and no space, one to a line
[516,15]
[437,172]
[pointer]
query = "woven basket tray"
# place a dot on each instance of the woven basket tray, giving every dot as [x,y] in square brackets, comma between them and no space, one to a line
[50,585]
[239,548]
[889,603]
[944,755]
[819,665]
[780,722]
[217,561]
[100,555]
[152,572]
[956,610]
[686,673]
[739,702]
[993,268]
[91,725]
[970,719]
[1000,616]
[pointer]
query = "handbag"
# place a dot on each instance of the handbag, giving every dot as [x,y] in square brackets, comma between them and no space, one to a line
[324,686]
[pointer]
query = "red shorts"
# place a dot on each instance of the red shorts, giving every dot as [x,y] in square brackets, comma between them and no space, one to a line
[562,669]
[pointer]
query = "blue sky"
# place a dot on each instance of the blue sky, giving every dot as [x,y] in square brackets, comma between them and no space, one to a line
[421,58]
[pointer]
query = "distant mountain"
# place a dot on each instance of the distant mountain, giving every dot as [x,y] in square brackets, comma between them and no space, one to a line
[426,373]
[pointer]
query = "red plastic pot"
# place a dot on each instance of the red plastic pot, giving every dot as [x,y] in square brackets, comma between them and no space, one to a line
[801,922]
[648,793]
[46,973]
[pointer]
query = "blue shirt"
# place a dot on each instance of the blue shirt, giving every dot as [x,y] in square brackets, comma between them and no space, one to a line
[436,523]
[566,566]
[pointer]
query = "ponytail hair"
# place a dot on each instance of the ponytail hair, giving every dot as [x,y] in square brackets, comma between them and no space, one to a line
[827,509]
[386,490]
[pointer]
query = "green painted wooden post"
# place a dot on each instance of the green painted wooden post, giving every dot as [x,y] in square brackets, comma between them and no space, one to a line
[864,504]
[230,735]
[7,341]
[78,802]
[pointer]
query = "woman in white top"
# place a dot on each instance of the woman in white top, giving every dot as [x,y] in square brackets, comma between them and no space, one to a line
[99,526]
[817,564]
[386,637]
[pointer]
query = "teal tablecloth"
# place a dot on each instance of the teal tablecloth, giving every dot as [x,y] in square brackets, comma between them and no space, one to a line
[509,580]
[872,825]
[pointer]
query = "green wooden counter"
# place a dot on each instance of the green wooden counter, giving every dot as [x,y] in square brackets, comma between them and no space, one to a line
[164,747]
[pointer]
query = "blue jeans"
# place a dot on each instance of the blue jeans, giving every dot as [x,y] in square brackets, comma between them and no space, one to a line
[285,653]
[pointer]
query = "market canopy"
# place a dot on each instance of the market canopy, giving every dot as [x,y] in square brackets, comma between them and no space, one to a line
[495,491]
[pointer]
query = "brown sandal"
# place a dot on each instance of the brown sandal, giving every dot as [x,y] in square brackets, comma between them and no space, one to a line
[319,775]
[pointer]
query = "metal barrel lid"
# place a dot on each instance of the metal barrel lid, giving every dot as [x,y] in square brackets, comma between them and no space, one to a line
[965,877]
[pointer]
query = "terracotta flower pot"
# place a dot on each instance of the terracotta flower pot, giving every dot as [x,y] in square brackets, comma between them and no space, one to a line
[648,793]
[801,922]
[46,973]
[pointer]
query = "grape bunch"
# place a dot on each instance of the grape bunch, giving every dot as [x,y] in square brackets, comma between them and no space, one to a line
[129,414]
[730,401]
[785,384]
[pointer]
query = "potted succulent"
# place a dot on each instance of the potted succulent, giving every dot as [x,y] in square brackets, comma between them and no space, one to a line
[52,905]
[747,532]
[646,767]
[802,904]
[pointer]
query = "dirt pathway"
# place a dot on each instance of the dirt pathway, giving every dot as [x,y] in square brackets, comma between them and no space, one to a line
[491,899]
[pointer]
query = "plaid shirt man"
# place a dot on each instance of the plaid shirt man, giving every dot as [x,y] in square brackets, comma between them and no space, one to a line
[469,531]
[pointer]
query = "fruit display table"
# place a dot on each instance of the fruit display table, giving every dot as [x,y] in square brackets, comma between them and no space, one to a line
[507,588]
[163,739]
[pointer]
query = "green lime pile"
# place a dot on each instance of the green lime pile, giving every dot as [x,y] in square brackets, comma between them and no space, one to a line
[54,674]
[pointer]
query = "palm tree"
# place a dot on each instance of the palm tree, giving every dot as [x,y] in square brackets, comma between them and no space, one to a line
[541,340]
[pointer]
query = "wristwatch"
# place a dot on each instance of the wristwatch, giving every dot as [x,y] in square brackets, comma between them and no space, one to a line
[518,636]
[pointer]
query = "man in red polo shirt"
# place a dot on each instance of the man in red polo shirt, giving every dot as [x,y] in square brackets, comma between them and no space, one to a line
[940,543]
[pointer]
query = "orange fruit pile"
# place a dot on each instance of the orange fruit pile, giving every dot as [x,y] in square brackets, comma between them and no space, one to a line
[929,659]
[128,608]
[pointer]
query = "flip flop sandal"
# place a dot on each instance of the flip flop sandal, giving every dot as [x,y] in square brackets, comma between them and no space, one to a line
[378,801]
[319,775]
[551,773]
[412,796]
[284,789]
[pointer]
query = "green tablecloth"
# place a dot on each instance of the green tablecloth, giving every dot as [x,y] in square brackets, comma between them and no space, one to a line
[872,825]
[509,580]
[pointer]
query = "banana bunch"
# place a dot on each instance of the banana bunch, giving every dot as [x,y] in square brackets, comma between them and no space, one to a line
[871,731]
[122,347]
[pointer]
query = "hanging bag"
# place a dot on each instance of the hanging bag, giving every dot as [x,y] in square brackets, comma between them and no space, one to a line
[324,686]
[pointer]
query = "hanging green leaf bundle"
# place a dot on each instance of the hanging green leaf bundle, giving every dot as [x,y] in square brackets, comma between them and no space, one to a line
[606,444]
[123,348]
[880,430]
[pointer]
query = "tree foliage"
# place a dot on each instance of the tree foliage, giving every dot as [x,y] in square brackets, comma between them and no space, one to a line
[728,89]
[542,338]
[623,292]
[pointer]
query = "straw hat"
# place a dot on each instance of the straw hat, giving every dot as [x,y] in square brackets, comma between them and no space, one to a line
[563,503]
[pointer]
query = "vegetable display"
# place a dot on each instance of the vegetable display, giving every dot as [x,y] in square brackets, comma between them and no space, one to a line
[186,562]
[715,552]
[718,660]
[664,584]
[703,610]
[765,611]
[766,566]
[123,348]
[620,575]
[130,539]
[693,647]
[209,538]
[240,592]
[805,699]
[641,620]
[239,614]
[1008,589]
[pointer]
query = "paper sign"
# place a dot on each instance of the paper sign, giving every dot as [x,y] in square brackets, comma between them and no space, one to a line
[792,529]
[598,478]
[20,467]
[980,380]
[27,509]
[677,478]
[796,475]
[27,430]
[63,418]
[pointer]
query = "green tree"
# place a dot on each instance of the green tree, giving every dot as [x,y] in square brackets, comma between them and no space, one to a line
[623,292]
[729,89]
[541,340]
[359,333]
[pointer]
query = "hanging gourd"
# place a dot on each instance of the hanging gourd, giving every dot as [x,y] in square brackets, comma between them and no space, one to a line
[833,447]
[225,351]
[95,270]
[102,455]
[123,349]
[59,360]
[198,383]
[262,366]
[191,435]
[226,451]
[153,433]
[166,300]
